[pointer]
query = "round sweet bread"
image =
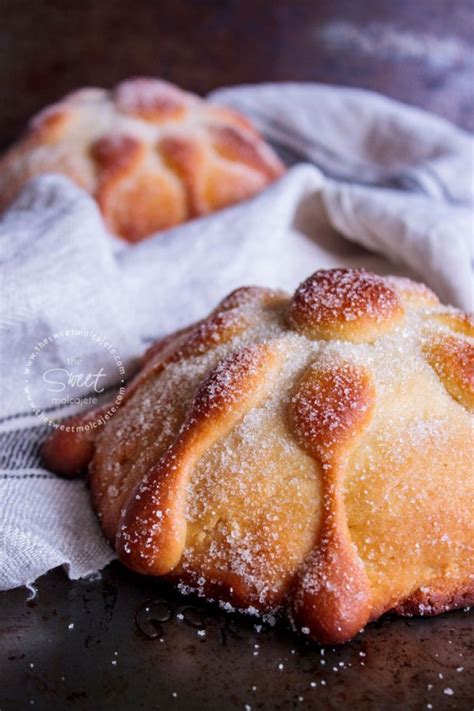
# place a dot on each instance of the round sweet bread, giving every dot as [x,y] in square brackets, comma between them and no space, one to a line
[151,154]
[310,454]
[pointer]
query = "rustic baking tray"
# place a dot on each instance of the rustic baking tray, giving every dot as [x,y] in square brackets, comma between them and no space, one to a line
[122,641]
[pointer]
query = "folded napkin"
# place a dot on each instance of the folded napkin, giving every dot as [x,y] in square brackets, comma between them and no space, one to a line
[373,184]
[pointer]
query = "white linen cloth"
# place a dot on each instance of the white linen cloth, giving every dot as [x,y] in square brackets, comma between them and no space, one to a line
[373,184]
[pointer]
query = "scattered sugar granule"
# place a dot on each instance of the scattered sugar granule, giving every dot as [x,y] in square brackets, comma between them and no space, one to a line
[313,684]
[247,707]
[460,669]
[174,694]
[31,665]
[281,666]
[201,633]
[114,662]
[448,691]
[305,630]
[70,626]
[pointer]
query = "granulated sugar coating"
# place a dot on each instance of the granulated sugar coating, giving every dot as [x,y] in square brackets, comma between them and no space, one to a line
[308,455]
[356,306]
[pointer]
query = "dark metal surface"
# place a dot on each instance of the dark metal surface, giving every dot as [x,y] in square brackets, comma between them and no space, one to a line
[193,656]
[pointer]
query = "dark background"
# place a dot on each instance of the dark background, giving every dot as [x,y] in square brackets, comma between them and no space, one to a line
[413,50]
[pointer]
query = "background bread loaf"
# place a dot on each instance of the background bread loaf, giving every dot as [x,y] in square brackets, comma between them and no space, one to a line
[152,154]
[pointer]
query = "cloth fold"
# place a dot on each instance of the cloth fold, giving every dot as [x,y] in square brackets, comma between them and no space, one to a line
[374,184]
[357,135]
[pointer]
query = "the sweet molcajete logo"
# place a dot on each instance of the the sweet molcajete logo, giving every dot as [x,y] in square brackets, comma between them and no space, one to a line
[72,369]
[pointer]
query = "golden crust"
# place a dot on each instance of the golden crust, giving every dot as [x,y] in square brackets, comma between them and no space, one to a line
[152,531]
[345,304]
[257,462]
[453,361]
[151,154]
[437,599]
[457,321]
[67,452]
[413,293]
[152,100]
[330,408]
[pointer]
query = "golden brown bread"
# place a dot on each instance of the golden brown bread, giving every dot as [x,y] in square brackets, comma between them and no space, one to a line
[312,454]
[151,154]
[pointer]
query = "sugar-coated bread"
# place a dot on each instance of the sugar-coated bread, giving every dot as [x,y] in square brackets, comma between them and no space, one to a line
[151,154]
[310,454]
